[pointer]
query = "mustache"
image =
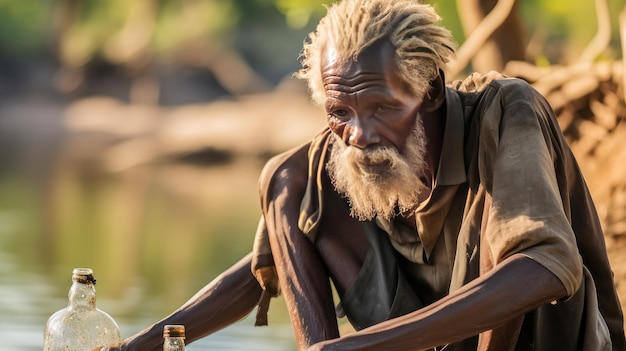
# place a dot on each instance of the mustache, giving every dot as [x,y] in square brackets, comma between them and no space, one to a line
[372,154]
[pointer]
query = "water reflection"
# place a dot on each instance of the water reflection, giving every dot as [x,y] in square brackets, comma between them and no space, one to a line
[183,222]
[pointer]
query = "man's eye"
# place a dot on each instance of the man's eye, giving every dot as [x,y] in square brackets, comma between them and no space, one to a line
[385,108]
[338,113]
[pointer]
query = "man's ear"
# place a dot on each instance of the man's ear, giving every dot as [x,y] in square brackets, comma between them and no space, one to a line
[436,95]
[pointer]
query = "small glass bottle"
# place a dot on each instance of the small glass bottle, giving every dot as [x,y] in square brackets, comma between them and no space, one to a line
[174,338]
[81,326]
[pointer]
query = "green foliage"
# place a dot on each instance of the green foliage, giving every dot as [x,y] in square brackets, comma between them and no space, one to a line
[298,13]
[181,22]
[449,17]
[94,24]
[27,26]
[23,26]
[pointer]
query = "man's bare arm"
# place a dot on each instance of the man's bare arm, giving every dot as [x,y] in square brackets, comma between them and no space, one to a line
[304,281]
[514,287]
[227,299]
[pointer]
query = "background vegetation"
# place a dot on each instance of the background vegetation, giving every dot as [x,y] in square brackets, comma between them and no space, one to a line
[225,46]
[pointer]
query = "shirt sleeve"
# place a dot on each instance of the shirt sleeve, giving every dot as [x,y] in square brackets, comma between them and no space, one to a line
[518,166]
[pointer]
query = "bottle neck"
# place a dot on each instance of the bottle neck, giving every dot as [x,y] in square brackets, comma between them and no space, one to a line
[82,295]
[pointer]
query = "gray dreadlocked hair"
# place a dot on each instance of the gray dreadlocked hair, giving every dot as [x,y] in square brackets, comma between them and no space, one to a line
[422,46]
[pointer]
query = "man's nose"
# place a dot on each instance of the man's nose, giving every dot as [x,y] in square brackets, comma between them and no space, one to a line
[361,135]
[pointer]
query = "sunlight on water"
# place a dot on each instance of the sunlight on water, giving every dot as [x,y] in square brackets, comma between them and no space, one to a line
[153,237]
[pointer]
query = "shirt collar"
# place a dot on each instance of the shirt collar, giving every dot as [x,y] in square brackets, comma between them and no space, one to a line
[451,161]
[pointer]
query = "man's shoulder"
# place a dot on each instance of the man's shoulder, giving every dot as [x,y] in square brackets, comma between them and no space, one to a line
[478,82]
[481,92]
[294,163]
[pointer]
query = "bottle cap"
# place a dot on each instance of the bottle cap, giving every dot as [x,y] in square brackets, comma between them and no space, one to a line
[173,330]
[83,275]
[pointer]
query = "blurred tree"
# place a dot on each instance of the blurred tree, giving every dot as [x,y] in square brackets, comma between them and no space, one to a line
[540,32]
[135,36]
[130,34]
[245,44]
[506,43]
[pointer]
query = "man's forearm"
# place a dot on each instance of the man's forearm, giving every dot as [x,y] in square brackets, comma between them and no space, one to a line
[483,304]
[227,299]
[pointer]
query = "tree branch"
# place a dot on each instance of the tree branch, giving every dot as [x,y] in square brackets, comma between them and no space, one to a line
[603,36]
[485,29]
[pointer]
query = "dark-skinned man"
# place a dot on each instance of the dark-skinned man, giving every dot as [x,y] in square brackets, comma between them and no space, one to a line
[446,216]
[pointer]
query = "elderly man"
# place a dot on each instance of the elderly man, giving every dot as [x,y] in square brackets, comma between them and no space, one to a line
[446,217]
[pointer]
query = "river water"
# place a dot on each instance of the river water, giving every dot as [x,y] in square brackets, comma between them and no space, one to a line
[154,235]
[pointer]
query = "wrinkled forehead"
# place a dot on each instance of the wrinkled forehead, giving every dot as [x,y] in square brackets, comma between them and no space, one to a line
[378,58]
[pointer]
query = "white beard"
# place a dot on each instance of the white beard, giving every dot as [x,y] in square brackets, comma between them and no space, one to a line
[395,191]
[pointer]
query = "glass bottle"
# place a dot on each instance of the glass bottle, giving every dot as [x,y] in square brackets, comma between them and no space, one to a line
[174,338]
[81,326]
